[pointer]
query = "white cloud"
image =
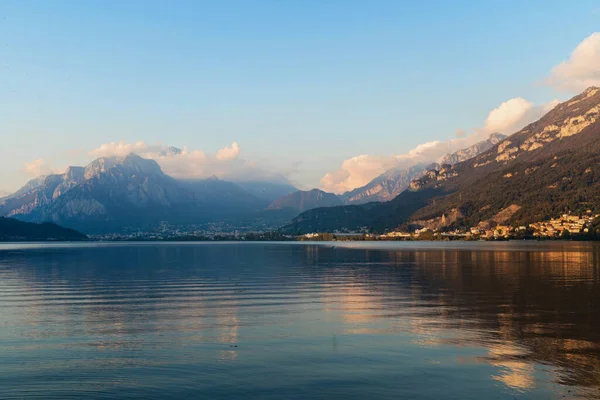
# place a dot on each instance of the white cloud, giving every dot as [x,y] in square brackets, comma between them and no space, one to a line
[193,164]
[121,148]
[355,172]
[229,153]
[514,114]
[581,70]
[360,170]
[508,118]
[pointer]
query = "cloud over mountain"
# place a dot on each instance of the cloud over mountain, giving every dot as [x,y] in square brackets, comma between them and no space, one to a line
[193,164]
[513,115]
[581,70]
[181,163]
[39,167]
[355,172]
[509,117]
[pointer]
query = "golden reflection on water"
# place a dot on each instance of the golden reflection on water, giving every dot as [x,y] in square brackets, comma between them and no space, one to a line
[511,372]
[523,307]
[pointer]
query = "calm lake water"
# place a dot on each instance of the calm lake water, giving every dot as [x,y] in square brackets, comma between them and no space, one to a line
[300,321]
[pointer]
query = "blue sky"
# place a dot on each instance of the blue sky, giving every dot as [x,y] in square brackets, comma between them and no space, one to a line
[300,85]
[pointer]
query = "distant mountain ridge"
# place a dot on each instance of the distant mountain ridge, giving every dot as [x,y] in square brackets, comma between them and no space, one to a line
[545,169]
[386,186]
[472,151]
[393,182]
[383,188]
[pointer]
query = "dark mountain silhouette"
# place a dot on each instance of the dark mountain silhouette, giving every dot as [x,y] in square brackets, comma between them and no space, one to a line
[12,230]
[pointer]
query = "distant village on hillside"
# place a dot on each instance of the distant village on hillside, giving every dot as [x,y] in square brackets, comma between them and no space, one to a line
[567,226]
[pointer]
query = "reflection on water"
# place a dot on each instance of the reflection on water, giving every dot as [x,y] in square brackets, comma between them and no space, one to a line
[391,320]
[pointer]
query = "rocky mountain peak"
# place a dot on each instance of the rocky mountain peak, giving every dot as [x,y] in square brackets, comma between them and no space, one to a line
[131,164]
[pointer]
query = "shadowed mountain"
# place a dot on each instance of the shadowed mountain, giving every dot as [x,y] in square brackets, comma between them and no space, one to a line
[12,230]
[545,169]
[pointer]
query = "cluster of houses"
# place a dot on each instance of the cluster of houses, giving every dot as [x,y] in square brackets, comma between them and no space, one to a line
[555,228]
[573,224]
[497,232]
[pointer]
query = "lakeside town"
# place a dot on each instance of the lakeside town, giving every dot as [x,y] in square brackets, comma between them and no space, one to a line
[567,226]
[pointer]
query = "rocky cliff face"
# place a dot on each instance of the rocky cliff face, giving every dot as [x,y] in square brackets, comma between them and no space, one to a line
[386,186]
[474,150]
[434,177]
[40,192]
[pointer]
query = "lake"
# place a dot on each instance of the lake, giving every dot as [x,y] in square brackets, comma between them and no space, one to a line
[409,320]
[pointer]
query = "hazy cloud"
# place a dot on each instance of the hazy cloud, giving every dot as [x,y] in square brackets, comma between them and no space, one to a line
[193,164]
[508,118]
[121,148]
[38,167]
[581,70]
[355,172]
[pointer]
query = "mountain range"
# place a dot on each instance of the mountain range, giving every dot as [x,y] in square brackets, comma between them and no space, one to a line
[384,187]
[115,193]
[393,182]
[547,168]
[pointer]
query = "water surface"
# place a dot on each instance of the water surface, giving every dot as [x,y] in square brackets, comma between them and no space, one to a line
[300,321]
